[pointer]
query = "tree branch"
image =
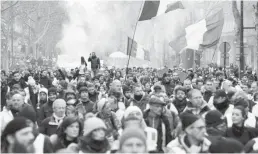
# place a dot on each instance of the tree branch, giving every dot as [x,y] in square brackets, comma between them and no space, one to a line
[9,6]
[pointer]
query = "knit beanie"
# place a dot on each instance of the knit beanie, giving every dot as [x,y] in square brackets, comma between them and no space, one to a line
[131,109]
[15,125]
[92,124]
[226,145]
[156,100]
[43,90]
[132,132]
[83,89]
[187,119]
[52,90]
[214,118]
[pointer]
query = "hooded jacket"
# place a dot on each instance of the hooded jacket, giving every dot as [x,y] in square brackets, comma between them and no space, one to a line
[179,145]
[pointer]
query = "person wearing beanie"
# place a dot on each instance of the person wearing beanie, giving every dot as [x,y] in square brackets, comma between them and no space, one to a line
[226,145]
[17,136]
[84,100]
[193,139]
[197,105]
[109,117]
[94,139]
[46,110]
[158,117]
[133,117]
[70,94]
[133,141]
[238,130]
[50,124]
[215,123]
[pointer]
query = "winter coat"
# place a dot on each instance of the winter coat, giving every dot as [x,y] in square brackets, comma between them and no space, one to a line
[42,144]
[112,122]
[61,143]
[45,111]
[46,82]
[165,125]
[180,105]
[202,111]
[179,145]
[252,146]
[242,134]
[49,126]
[94,97]
[6,116]
[21,82]
[142,104]
[95,62]
[88,105]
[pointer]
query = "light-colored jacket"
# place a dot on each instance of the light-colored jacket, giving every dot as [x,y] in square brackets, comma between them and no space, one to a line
[6,116]
[178,146]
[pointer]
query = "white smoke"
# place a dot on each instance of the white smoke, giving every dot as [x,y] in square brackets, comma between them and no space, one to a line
[96,26]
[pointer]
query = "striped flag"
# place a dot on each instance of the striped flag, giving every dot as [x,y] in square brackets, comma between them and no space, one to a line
[131,47]
[203,34]
[138,50]
[154,8]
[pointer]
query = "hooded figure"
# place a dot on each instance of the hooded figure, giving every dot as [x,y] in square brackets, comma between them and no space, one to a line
[109,117]
[94,137]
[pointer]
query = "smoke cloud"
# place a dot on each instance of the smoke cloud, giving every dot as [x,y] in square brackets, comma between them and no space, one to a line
[96,26]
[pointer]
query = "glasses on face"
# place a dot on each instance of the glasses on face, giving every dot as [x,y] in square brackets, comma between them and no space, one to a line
[60,108]
[198,97]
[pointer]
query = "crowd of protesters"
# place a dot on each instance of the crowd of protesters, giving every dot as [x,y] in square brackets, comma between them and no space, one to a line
[135,110]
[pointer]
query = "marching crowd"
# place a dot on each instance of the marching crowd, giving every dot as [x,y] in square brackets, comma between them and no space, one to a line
[135,110]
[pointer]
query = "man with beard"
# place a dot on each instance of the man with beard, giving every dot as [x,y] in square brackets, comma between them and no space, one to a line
[95,63]
[93,93]
[44,80]
[140,99]
[167,84]
[180,101]
[18,136]
[70,94]
[46,110]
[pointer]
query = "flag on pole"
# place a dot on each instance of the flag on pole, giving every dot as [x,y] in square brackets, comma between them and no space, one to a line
[138,50]
[154,8]
[203,34]
[131,47]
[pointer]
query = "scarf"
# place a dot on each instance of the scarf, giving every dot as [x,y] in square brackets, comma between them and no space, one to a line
[89,145]
[237,131]
[58,119]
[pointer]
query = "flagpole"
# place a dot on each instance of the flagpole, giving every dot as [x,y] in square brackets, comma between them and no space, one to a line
[132,41]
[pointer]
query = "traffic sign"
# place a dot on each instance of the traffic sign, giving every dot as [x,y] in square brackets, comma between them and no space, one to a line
[224,46]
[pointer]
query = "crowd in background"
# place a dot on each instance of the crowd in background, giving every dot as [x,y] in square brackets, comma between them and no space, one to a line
[134,110]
